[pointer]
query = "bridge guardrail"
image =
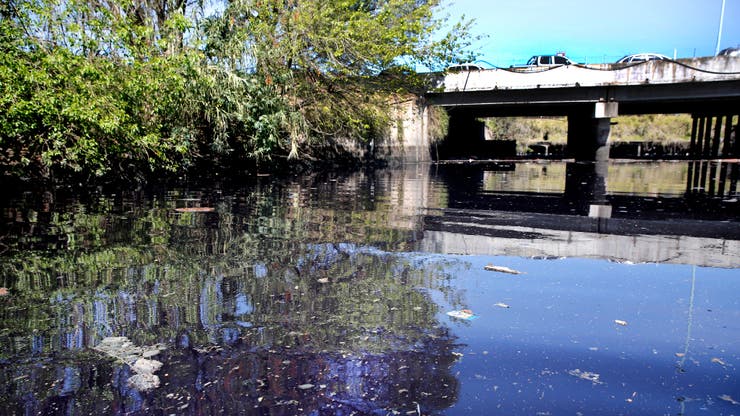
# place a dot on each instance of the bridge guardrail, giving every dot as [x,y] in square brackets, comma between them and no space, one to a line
[708,69]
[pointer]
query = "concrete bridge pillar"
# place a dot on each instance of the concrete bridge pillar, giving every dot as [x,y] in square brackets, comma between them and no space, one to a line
[714,136]
[585,188]
[588,131]
[408,139]
[465,138]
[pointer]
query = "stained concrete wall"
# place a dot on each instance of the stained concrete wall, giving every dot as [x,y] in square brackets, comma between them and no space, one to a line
[719,68]
[408,139]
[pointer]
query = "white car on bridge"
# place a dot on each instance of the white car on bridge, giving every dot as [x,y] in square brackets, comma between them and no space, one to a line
[642,57]
[545,61]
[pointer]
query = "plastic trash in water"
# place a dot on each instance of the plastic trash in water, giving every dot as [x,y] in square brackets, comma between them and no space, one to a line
[464,314]
[500,269]
[729,399]
[586,375]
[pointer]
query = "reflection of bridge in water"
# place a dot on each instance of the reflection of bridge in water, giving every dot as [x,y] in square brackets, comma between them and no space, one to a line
[547,236]
[700,226]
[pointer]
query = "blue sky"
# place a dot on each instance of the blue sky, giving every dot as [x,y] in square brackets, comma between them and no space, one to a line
[597,31]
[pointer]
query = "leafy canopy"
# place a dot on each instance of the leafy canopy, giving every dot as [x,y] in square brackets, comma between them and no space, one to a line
[113,86]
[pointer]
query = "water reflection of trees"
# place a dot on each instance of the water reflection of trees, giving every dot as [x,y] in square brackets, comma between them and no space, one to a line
[255,298]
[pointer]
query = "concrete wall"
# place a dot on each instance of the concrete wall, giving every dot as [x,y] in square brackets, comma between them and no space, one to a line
[408,139]
[720,68]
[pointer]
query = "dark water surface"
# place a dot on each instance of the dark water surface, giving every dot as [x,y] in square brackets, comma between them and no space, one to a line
[616,291]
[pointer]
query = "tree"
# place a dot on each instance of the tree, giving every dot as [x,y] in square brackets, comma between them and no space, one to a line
[323,57]
[115,86]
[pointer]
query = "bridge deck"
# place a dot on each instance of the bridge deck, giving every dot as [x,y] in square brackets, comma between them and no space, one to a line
[721,68]
[687,86]
[707,88]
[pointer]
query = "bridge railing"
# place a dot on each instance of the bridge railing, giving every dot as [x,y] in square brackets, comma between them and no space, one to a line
[708,69]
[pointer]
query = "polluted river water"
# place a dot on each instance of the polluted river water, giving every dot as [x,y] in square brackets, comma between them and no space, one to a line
[460,289]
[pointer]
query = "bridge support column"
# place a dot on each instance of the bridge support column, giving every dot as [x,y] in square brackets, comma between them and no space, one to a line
[465,137]
[407,139]
[585,188]
[588,132]
[712,137]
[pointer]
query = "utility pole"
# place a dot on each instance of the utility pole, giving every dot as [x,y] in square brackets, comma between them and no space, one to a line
[719,32]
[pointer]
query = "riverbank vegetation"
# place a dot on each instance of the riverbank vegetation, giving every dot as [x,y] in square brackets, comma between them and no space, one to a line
[663,129]
[131,88]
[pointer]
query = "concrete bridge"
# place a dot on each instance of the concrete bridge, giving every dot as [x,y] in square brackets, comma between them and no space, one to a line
[590,95]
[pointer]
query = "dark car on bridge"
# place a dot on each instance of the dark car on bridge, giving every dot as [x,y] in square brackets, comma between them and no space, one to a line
[729,52]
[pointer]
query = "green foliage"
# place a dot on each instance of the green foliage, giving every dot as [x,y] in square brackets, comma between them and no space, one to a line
[237,114]
[72,102]
[323,56]
[131,86]
[659,128]
[69,112]
[527,130]
[439,121]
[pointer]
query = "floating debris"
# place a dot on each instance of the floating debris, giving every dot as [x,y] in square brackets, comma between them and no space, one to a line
[145,366]
[502,305]
[305,386]
[323,280]
[718,361]
[680,354]
[195,209]
[138,358]
[464,314]
[501,269]
[543,257]
[727,398]
[620,322]
[586,375]
[143,382]
[120,348]
[286,403]
[150,353]
[621,261]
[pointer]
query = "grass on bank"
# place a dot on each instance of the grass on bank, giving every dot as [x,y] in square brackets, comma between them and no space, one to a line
[656,128]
